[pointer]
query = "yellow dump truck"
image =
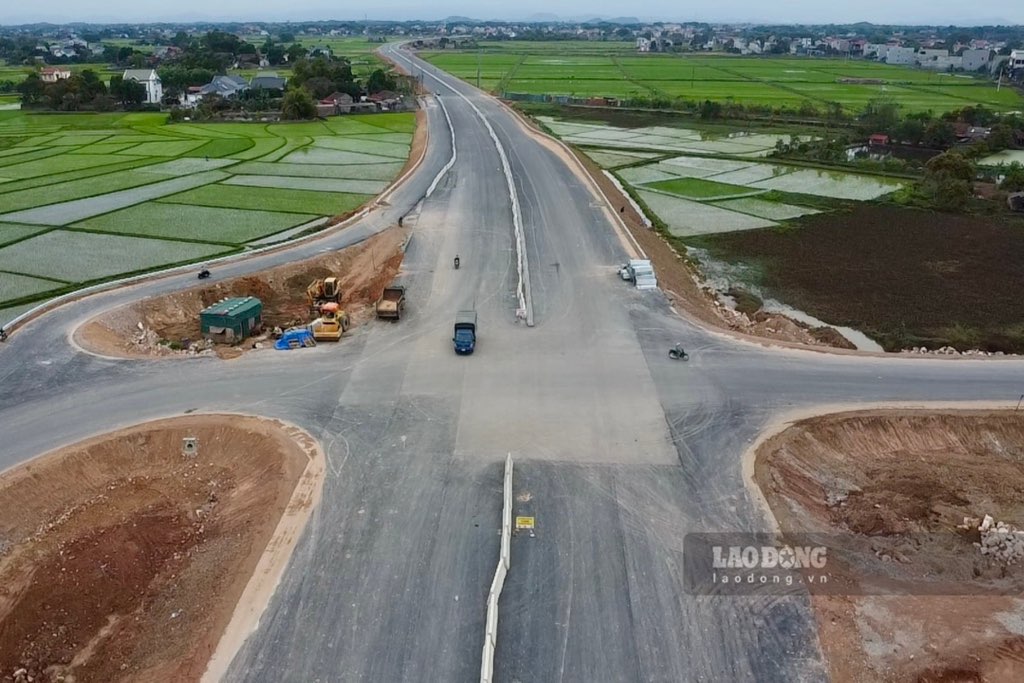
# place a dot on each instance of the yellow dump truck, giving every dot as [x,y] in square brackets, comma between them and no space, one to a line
[391,303]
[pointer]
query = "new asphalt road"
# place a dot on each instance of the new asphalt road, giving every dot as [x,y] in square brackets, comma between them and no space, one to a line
[620,451]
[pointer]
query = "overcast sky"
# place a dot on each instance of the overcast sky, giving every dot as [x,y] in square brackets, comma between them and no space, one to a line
[756,11]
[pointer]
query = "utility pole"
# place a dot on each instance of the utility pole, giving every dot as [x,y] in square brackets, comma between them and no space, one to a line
[478,67]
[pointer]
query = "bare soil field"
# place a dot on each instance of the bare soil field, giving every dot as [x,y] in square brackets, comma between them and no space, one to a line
[916,599]
[905,277]
[364,268]
[121,559]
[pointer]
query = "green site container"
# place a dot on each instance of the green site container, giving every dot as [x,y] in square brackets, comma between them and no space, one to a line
[233,319]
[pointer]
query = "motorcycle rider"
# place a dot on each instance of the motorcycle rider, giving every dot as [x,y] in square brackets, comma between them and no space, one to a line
[456,261]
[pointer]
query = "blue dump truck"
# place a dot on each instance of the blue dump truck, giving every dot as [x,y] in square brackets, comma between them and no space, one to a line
[465,332]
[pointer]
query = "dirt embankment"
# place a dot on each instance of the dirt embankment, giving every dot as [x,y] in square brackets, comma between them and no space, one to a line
[364,268]
[681,282]
[121,558]
[893,489]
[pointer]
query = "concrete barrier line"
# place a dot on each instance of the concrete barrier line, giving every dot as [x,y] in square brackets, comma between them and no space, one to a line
[504,562]
[523,291]
[451,162]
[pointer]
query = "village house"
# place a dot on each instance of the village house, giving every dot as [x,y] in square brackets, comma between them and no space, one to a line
[341,102]
[149,79]
[52,74]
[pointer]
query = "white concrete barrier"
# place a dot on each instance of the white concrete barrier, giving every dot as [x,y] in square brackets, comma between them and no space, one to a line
[504,562]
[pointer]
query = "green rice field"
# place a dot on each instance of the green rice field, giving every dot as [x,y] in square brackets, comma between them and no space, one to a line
[714,181]
[588,69]
[89,197]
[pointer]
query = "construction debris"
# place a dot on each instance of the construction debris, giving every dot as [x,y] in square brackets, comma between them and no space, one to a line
[999,540]
[951,351]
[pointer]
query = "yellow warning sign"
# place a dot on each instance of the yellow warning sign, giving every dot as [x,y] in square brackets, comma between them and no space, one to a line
[524,523]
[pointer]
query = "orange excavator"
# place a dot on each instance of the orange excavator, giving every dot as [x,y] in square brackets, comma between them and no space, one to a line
[323,291]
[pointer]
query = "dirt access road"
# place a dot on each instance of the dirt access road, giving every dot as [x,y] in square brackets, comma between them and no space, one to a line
[121,559]
[898,485]
[364,268]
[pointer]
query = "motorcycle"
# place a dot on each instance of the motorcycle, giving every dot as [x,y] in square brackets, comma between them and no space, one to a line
[677,353]
[3,334]
[456,263]
[203,274]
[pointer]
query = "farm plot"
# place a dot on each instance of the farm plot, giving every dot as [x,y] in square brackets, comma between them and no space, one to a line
[154,194]
[314,184]
[686,218]
[698,188]
[661,138]
[609,159]
[560,69]
[12,232]
[172,148]
[181,221]
[356,171]
[268,199]
[364,146]
[831,184]
[81,256]
[14,287]
[774,211]
[80,209]
[323,155]
[58,164]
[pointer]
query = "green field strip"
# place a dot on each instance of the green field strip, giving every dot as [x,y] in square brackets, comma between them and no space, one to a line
[333,157]
[395,138]
[266,199]
[70,190]
[60,164]
[201,132]
[510,74]
[298,129]
[347,126]
[199,223]
[15,232]
[775,211]
[242,130]
[350,185]
[291,144]
[187,166]
[396,123]
[14,151]
[224,147]
[383,171]
[1002,99]
[19,185]
[15,286]
[76,210]
[45,254]
[104,148]
[52,280]
[29,156]
[170,148]
[261,147]
[382,149]
[634,81]
[741,194]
